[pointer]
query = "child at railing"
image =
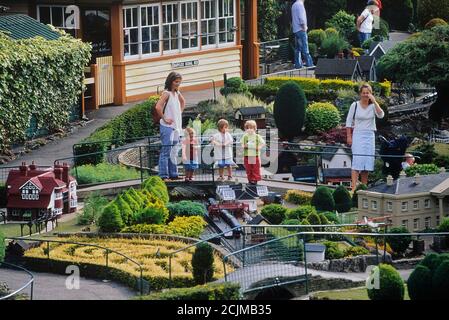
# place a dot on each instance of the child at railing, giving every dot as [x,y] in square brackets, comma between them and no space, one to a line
[223,142]
[252,144]
[190,148]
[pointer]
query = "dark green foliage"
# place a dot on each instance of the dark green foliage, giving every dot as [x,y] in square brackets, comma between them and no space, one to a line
[185,208]
[391,285]
[274,213]
[444,226]
[426,152]
[431,261]
[156,186]
[314,219]
[422,169]
[355,200]
[132,203]
[127,214]
[301,212]
[2,246]
[332,45]
[440,281]
[399,13]
[430,9]
[291,222]
[316,37]
[399,244]
[268,11]
[331,217]
[264,92]
[203,263]
[419,283]
[289,109]
[442,161]
[93,206]
[110,220]
[323,200]
[234,85]
[212,291]
[151,215]
[383,32]
[342,198]
[344,23]
[321,11]
[333,251]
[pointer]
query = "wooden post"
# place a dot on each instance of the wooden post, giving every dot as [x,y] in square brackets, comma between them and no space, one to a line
[251,40]
[96,88]
[117,53]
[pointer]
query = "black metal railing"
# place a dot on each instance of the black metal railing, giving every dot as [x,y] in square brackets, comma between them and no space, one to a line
[29,283]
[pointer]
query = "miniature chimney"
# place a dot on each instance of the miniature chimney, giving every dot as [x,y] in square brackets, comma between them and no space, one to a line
[58,173]
[33,166]
[417,178]
[65,173]
[23,169]
[402,174]
[390,180]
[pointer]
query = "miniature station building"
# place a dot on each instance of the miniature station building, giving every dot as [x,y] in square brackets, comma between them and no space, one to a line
[34,193]
[137,43]
[257,114]
[416,203]
[346,69]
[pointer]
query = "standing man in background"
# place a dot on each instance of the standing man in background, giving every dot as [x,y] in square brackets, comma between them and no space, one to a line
[299,24]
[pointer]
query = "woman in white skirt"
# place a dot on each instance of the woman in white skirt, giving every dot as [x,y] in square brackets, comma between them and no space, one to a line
[360,132]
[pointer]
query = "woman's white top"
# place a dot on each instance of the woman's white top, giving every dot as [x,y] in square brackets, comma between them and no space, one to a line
[220,151]
[367,25]
[365,118]
[173,111]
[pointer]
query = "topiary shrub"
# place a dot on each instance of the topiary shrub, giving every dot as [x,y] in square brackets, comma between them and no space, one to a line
[431,261]
[132,203]
[440,281]
[212,291]
[323,200]
[342,198]
[321,117]
[203,263]
[298,197]
[399,244]
[301,212]
[110,219]
[314,219]
[317,36]
[185,208]
[2,247]
[156,186]
[274,213]
[153,214]
[289,109]
[435,22]
[391,285]
[234,85]
[355,199]
[331,32]
[419,283]
[128,216]
[333,251]
[331,217]
[323,218]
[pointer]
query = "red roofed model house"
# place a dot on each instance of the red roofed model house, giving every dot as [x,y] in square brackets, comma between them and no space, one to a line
[35,193]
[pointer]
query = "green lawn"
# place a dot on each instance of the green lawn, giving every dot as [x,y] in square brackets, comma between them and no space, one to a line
[348,294]
[440,148]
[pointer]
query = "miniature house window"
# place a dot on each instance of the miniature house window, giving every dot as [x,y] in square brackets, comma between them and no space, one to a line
[404,206]
[415,204]
[427,222]
[225,21]
[365,203]
[416,224]
[345,164]
[170,26]
[56,16]
[208,22]
[374,205]
[427,203]
[189,24]
[131,31]
[389,206]
[149,18]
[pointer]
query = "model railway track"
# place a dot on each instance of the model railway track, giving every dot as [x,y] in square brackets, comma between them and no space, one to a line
[409,109]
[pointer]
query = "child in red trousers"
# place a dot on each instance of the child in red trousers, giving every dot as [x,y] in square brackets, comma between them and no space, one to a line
[252,144]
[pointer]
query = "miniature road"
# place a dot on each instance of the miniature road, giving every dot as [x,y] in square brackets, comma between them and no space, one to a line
[52,287]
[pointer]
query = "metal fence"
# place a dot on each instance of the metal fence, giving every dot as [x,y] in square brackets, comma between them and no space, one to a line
[29,283]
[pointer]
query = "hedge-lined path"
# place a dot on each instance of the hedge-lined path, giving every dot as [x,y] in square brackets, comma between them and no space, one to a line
[52,287]
[62,148]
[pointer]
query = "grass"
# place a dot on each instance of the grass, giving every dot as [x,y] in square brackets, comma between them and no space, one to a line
[152,254]
[13,230]
[440,148]
[104,172]
[348,294]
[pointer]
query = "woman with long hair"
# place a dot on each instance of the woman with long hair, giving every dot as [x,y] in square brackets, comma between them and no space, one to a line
[360,132]
[169,108]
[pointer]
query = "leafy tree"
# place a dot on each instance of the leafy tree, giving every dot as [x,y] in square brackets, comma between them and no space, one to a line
[274,213]
[323,200]
[419,283]
[430,9]
[268,12]
[422,58]
[391,285]
[110,220]
[343,201]
[203,263]
[289,109]
[344,23]
[399,13]
[399,244]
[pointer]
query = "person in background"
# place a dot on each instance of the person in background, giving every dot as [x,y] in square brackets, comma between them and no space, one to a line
[409,161]
[299,24]
[190,148]
[252,144]
[223,142]
[365,22]
[360,133]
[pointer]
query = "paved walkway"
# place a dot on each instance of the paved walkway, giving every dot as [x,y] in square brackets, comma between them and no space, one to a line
[52,287]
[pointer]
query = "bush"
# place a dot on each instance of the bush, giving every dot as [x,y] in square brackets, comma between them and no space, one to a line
[313,50]
[307,84]
[234,85]
[444,225]
[265,92]
[110,219]
[355,251]
[391,285]
[431,9]
[435,22]
[426,153]
[333,251]
[320,95]
[398,12]
[342,198]
[344,23]
[323,200]
[317,36]
[203,263]
[93,206]
[2,247]
[314,219]
[321,117]
[131,202]
[331,217]
[442,161]
[104,172]
[431,261]
[301,212]
[399,244]
[419,283]
[383,33]
[185,208]
[157,187]
[331,32]
[211,291]
[355,199]
[291,222]
[289,109]
[332,45]
[440,281]
[333,136]
[274,213]
[153,214]
[298,197]
[421,169]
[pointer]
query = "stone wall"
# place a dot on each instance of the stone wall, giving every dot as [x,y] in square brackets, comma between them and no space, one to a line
[352,264]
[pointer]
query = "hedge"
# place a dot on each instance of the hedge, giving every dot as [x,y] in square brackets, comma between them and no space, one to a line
[134,123]
[185,208]
[301,212]
[41,79]
[298,197]
[103,172]
[274,213]
[212,291]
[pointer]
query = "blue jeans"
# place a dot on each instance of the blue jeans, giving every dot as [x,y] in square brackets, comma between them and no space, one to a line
[363,37]
[302,50]
[169,153]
